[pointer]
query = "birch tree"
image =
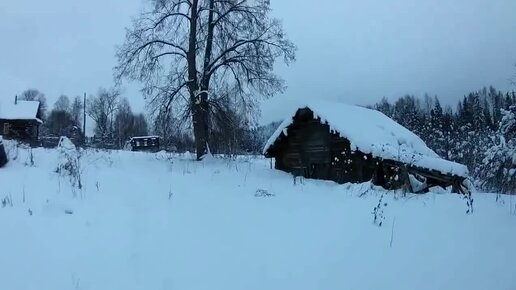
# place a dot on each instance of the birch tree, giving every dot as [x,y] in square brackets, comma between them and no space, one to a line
[191,54]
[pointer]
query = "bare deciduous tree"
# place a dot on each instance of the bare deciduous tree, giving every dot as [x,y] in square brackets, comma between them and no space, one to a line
[102,109]
[59,123]
[165,127]
[124,119]
[140,126]
[62,104]
[76,110]
[127,124]
[192,53]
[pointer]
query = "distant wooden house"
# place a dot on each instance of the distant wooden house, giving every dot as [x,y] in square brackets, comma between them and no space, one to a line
[20,120]
[346,143]
[145,143]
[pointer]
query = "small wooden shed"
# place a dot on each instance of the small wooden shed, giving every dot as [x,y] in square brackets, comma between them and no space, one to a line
[345,143]
[20,120]
[145,143]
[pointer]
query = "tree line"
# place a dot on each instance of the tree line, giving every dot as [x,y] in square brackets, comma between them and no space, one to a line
[115,122]
[480,132]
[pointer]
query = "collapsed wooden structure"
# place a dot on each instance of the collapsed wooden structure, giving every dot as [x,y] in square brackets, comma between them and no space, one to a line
[344,143]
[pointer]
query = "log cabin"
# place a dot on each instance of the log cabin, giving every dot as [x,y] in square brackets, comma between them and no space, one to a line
[145,143]
[20,120]
[346,143]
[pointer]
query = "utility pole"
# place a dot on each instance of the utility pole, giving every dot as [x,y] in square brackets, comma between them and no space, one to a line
[84,118]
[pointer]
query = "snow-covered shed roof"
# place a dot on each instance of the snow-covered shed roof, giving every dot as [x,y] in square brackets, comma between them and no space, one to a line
[21,110]
[370,131]
[144,137]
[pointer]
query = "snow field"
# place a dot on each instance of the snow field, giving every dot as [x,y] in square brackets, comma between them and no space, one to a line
[159,221]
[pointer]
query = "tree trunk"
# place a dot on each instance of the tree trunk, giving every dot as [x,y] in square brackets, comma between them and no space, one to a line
[200,116]
[200,110]
[198,97]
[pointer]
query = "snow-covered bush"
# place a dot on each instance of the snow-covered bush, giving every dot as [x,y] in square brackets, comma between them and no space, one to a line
[69,165]
[498,169]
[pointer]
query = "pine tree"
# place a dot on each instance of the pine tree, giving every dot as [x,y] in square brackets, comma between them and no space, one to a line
[496,99]
[498,168]
[407,113]
[449,134]
[436,134]
[385,107]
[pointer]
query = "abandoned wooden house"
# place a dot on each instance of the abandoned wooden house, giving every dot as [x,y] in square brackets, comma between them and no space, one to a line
[20,120]
[346,143]
[145,143]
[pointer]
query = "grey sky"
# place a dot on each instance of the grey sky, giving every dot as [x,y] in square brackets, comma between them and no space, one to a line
[352,50]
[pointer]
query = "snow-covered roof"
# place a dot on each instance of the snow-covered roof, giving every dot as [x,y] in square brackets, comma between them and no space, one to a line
[370,131]
[144,137]
[22,110]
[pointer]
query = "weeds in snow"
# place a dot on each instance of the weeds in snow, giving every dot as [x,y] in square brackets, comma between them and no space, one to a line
[70,164]
[170,194]
[30,158]
[71,168]
[263,193]
[186,168]
[469,202]
[392,232]
[499,198]
[301,179]
[369,188]
[378,215]
[7,201]
[76,282]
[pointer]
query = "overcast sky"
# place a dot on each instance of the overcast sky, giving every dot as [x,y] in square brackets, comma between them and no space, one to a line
[351,50]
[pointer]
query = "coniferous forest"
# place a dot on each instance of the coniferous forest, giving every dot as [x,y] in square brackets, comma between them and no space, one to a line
[479,132]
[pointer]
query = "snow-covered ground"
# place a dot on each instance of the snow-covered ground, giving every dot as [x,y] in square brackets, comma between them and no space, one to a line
[157,221]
